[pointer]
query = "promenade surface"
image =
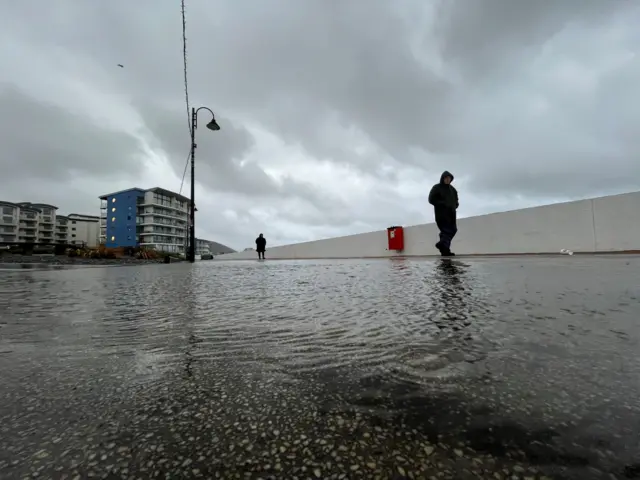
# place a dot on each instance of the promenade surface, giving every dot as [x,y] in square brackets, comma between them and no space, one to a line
[496,368]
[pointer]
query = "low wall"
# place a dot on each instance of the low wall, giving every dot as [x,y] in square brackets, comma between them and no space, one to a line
[603,224]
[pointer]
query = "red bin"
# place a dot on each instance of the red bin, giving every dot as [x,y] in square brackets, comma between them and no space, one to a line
[395,238]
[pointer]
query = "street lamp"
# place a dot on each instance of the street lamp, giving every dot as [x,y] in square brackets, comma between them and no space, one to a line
[212,125]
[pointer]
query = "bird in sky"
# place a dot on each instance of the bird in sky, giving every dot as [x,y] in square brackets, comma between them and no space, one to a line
[120,65]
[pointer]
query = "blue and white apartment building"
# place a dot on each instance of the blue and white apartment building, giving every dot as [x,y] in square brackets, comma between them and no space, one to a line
[154,217]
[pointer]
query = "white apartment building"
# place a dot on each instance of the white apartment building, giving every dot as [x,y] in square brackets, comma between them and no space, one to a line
[78,229]
[27,222]
[9,220]
[154,217]
[46,219]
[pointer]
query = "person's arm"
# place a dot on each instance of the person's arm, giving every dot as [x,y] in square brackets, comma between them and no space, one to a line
[457,202]
[434,195]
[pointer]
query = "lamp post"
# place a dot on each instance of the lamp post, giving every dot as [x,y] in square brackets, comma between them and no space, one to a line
[212,125]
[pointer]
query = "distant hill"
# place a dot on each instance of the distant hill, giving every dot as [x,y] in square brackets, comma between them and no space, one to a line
[217,248]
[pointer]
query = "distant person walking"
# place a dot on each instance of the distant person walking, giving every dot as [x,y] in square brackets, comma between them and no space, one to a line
[444,198]
[261,246]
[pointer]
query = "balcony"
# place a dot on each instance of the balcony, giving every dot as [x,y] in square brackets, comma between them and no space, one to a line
[170,206]
[160,214]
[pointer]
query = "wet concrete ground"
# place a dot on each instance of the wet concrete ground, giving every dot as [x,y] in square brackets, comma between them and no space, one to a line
[520,368]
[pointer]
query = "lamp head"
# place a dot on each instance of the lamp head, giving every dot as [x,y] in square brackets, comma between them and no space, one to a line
[213,125]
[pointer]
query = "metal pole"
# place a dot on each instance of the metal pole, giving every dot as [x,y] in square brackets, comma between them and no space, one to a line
[192,225]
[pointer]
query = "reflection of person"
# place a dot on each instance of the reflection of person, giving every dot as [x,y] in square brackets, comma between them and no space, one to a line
[444,198]
[261,246]
[453,291]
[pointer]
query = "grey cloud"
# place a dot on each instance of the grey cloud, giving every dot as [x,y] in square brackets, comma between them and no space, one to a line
[218,154]
[494,38]
[45,141]
[293,66]
[220,162]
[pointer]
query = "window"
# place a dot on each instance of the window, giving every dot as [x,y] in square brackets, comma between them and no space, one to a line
[73,235]
[113,209]
[128,237]
[113,219]
[7,210]
[73,222]
[113,239]
[73,229]
[113,200]
[128,217]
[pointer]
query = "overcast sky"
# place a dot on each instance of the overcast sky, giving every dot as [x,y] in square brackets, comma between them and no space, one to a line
[337,116]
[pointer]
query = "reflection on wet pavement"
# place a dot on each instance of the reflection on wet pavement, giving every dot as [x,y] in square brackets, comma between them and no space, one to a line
[522,368]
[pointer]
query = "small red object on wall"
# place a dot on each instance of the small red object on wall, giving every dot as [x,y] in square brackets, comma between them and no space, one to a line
[395,237]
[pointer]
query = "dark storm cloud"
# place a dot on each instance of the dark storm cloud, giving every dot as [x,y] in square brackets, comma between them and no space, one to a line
[46,141]
[494,38]
[220,163]
[293,66]
[218,154]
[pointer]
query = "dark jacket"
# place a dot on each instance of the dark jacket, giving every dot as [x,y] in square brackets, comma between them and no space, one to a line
[261,244]
[444,199]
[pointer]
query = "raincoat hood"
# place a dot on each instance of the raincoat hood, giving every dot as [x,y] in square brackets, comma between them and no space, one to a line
[446,174]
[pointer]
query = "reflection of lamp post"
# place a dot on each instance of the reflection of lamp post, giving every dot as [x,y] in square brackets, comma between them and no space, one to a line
[212,125]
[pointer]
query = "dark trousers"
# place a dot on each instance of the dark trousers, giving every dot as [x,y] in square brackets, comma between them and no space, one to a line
[261,254]
[448,230]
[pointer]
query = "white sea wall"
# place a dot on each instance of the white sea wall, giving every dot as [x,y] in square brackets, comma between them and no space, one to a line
[603,224]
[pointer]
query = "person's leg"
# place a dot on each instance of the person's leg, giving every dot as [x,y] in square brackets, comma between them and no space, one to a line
[453,230]
[447,232]
[440,244]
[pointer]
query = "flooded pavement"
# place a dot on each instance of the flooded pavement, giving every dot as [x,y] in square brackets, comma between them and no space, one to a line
[502,368]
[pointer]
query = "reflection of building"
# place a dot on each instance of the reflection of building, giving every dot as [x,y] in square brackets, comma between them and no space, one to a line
[27,222]
[202,246]
[209,246]
[155,218]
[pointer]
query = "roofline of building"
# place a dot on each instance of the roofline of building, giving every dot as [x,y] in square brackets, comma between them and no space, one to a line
[82,216]
[107,195]
[29,208]
[40,205]
[10,204]
[144,190]
[169,193]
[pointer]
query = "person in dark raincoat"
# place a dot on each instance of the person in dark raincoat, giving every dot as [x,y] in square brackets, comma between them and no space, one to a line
[444,198]
[261,246]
